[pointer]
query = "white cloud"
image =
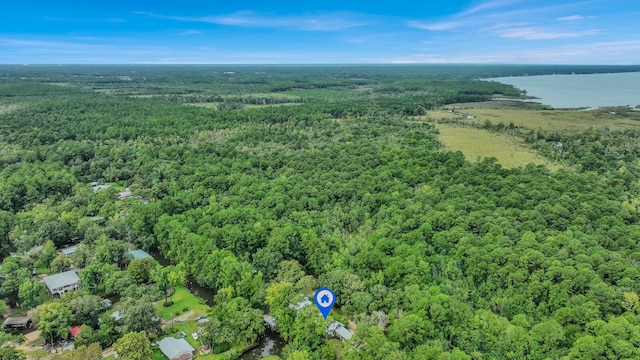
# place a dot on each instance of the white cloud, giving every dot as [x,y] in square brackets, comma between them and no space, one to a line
[531,33]
[571,18]
[445,25]
[615,52]
[489,6]
[333,21]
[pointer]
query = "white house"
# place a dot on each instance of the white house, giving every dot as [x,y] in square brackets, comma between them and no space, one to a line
[176,349]
[59,284]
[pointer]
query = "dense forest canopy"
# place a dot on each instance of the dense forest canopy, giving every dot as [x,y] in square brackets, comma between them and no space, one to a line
[266,182]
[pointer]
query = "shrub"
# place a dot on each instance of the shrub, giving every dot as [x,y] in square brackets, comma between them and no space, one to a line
[219,348]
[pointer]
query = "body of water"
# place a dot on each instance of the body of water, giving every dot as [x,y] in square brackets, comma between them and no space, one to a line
[580,91]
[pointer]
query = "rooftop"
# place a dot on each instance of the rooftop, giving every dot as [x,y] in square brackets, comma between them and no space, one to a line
[301,305]
[13,321]
[117,315]
[61,280]
[340,330]
[175,348]
[97,187]
[140,254]
[69,250]
[74,330]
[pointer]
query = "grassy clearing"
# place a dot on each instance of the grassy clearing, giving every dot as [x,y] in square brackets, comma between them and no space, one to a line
[182,299]
[10,109]
[560,120]
[250,106]
[38,354]
[208,105]
[477,144]
[326,94]
[440,114]
[499,104]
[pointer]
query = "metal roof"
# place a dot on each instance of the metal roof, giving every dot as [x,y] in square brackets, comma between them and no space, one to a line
[340,330]
[69,250]
[140,254]
[174,348]
[61,280]
[20,321]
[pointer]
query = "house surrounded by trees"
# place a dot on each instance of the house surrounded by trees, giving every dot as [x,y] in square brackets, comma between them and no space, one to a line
[59,284]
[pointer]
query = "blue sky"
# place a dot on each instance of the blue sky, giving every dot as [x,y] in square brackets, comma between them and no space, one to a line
[303,32]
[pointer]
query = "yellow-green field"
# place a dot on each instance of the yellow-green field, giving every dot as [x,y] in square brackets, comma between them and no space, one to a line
[567,120]
[210,105]
[477,144]
[440,114]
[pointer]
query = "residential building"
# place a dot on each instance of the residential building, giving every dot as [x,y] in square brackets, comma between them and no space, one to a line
[339,330]
[140,254]
[176,349]
[68,251]
[59,284]
[15,323]
[125,194]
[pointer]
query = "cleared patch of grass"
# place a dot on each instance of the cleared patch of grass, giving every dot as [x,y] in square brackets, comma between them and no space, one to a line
[10,109]
[500,104]
[208,105]
[42,270]
[182,299]
[250,106]
[157,355]
[560,120]
[38,354]
[477,144]
[327,94]
[440,114]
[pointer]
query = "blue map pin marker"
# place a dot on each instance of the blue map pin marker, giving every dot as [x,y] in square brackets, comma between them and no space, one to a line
[324,299]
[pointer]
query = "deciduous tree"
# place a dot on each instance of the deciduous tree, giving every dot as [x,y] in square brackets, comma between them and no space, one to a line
[54,320]
[133,346]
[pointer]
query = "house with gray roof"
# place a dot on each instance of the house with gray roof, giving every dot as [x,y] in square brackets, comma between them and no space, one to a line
[17,323]
[339,330]
[125,194]
[176,349]
[301,304]
[59,284]
[68,251]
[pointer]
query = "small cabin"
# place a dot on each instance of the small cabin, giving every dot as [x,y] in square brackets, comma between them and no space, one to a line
[338,330]
[139,254]
[68,251]
[17,323]
[300,305]
[125,194]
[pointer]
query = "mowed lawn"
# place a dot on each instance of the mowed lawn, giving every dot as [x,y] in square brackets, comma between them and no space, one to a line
[183,301]
[477,144]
